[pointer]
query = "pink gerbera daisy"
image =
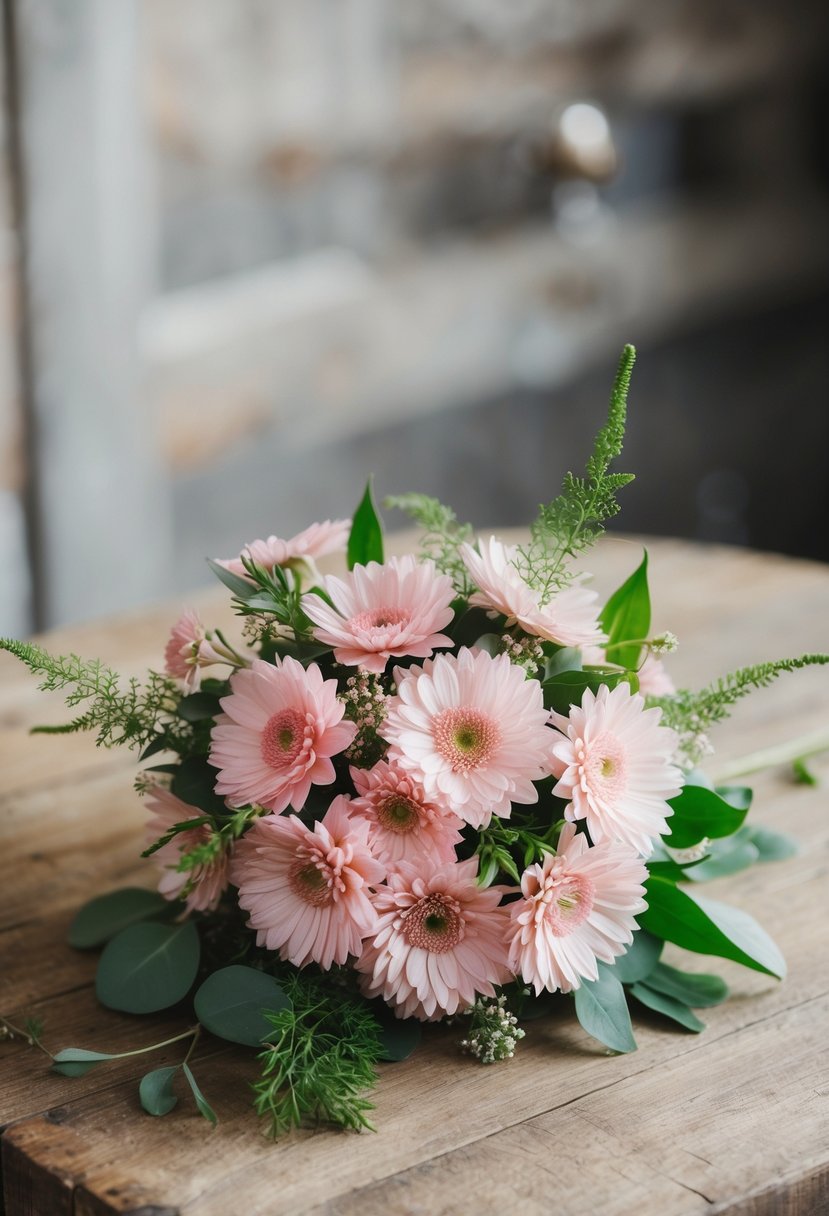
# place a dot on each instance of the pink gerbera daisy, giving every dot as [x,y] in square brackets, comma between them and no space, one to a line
[307,889]
[654,680]
[613,762]
[403,824]
[472,729]
[440,942]
[189,649]
[202,886]
[316,541]
[568,618]
[579,906]
[281,725]
[383,611]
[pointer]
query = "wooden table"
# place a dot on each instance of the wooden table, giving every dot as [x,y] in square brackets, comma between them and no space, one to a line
[735,1120]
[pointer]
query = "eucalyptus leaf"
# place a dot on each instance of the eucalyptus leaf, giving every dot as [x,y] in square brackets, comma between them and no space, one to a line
[601,1007]
[639,960]
[707,927]
[773,846]
[697,990]
[399,1037]
[155,1091]
[626,617]
[725,857]
[231,1004]
[667,1005]
[365,542]
[148,967]
[205,1109]
[563,658]
[106,915]
[76,1061]
[739,796]
[699,813]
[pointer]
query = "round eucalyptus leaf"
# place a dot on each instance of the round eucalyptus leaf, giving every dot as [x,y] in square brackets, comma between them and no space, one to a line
[99,920]
[231,1004]
[148,967]
[156,1091]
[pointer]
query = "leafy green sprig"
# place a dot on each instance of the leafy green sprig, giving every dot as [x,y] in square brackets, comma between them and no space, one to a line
[574,520]
[320,1059]
[274,595]
[442,534]
[130,716]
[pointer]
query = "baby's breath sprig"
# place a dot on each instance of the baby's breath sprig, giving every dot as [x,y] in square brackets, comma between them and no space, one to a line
[365,704]
[523,651]
[493,1031]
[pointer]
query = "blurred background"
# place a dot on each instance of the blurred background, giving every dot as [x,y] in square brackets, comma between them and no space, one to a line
[255,250]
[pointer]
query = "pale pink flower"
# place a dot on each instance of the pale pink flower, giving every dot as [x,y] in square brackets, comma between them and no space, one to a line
[403,824]
[202,886]
[654,680]
[281,725]
[189,649]
[568,618]
[613,762]
[440,942]
[307,890]
[316,541]
[383,611]
[579,907]
[473,731]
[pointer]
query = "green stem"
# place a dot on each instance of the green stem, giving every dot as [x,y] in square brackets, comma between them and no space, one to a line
[32,1039]
[770,757]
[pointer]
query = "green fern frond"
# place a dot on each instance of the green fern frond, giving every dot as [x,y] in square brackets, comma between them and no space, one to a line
[574,520]
[130,716]
[442,534]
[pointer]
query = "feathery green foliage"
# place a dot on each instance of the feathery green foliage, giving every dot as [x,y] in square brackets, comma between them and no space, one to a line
[692,713]
[130,716]
[441,534]
[320,1060]
[574,520]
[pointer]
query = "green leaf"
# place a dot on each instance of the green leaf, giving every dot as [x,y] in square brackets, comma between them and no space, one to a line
[242,588]
[803,775]
[398,1037]
[641,957]
[567,688]
[698,991]
[198,707]
[205,1109]
[773,846]
[627,616]
[365,543]
[667,1005]
[700,813]
[562,658]
[725,857]
[707,927]
[75,1061]
[739,796]
[602,1009]
[156,1090]
[194,782]
[231,1004]
[467,626]
[148,967]
[100,919]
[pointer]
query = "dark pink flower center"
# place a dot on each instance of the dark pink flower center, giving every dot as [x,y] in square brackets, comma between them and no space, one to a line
[310,881]
[434,923]
[284,738]
[467,738]
[568,901]
[397,813]
[379,620]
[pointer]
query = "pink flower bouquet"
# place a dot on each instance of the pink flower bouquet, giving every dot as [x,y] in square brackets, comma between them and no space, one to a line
[444,786]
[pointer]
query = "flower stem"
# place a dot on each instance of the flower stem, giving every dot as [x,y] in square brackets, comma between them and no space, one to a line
[770,757]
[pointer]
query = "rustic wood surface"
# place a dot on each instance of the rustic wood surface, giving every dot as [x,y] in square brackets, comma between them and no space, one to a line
[735,1120]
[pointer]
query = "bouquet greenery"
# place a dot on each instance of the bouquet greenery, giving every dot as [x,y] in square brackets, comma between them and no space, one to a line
[443,786]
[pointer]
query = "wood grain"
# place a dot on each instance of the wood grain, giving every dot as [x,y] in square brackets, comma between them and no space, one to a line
[733,1121]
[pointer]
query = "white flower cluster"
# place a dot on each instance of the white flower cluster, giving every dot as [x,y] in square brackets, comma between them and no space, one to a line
[365,704]
[665,643]
[524,652]
[495,1031]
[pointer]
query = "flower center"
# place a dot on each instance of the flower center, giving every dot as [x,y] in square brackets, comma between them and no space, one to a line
[310,882]
[602,766]
[379,619]
[465,737]
[283,738]
[568,901]
[434,923]
[398,814]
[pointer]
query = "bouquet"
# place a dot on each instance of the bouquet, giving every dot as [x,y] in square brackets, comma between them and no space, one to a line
[449,786]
